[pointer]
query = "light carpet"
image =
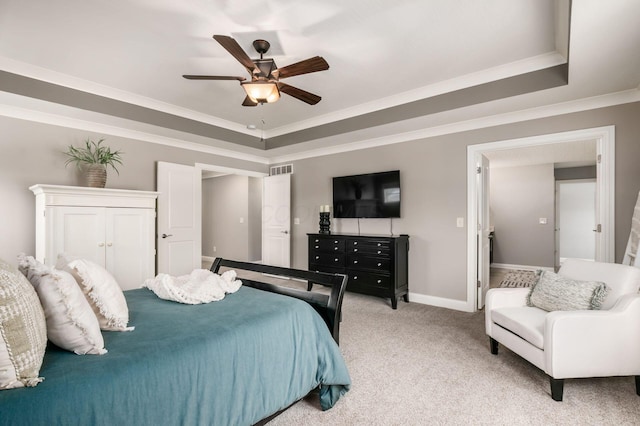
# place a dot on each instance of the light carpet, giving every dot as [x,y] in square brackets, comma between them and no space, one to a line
[422,365]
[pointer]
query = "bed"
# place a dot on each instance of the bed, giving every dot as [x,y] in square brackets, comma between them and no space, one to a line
[238,361]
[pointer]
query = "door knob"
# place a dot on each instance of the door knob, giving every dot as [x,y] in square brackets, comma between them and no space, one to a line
[167,235]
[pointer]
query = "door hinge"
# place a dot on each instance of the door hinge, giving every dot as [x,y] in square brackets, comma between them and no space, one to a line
[599,158]
[479,284]
[598,228]
[478,170]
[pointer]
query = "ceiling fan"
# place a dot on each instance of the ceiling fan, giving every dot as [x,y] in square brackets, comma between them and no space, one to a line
[265,85]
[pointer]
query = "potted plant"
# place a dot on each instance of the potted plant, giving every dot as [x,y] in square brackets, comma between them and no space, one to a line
[93,159]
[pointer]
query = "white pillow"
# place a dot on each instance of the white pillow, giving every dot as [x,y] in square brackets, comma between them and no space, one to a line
[71,323]
[23,333]
[101,290]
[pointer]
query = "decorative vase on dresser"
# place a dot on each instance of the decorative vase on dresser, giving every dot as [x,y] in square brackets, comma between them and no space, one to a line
[375,265]
[114,228]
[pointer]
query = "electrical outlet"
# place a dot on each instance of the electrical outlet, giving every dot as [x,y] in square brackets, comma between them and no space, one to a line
[542,221]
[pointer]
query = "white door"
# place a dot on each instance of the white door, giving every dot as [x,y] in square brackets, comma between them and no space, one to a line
[276,223]
[576,219]
[77,231]
[483,227]
[179,218]
[130,245]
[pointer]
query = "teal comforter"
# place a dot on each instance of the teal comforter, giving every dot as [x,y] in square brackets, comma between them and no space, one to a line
[231,362]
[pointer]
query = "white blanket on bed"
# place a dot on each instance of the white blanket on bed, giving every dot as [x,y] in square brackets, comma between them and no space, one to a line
[200,286]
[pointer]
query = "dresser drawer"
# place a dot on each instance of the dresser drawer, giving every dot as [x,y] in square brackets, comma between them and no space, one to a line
[328,259]
[378,264]
[365,279]
[369,250]
[327,269]
[327,244]
[369,245]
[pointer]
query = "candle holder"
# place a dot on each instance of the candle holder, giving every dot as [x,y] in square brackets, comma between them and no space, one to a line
[325,223]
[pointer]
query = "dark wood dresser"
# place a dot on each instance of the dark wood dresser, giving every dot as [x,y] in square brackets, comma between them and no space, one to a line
[375,265]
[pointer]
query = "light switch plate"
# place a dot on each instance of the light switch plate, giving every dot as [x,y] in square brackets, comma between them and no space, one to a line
[543,221]
[460,222]
[296,221]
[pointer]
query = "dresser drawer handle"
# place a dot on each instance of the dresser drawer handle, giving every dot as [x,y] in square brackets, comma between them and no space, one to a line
[355,243]
[317,257]
[317,247]
[335,248]
[336,259]
[335,242]
[379,251]
[317,241]
[379,244]
[379,264]
[355,261]
[379,281]
[355,278]
[355,250]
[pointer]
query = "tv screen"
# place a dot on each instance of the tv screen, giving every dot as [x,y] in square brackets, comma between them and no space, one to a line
[373,195]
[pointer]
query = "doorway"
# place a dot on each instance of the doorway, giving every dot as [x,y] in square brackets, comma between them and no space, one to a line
[605,143]
[231,213]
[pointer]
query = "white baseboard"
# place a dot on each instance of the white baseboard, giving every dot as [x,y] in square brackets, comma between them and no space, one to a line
[441,302]
[523,267]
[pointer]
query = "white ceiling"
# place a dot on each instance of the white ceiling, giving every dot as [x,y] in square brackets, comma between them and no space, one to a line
[385,58]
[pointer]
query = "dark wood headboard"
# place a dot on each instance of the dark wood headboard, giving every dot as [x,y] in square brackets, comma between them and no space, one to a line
[328,306]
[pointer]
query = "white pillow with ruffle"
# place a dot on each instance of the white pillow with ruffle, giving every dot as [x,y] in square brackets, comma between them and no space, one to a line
[71,323]
[101,290]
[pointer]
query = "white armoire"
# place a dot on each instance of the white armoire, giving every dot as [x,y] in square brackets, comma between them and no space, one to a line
[114,228]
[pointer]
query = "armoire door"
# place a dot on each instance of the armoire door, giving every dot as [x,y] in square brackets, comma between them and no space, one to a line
[130,245]
[77,231]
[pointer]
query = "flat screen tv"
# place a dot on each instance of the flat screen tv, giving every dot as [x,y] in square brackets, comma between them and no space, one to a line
[373,195]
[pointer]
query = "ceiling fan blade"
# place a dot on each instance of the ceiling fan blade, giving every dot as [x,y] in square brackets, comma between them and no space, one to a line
[300,94]
[236,51]
[315,64]
[248,102]
[213,77]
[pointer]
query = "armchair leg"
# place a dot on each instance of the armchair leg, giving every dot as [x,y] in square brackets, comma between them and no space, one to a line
[557,385]
[494,348]
[638,385]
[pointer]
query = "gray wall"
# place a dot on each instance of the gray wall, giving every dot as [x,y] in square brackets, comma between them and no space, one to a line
[433,173]
[520,196]
[31,153]
[570,173]
[434,192]
[225,200]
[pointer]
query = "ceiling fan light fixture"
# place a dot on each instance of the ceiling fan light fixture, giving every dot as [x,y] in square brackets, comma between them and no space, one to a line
[261,91]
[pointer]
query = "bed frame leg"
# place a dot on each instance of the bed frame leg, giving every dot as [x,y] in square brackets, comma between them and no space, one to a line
[557,386]
[494,345]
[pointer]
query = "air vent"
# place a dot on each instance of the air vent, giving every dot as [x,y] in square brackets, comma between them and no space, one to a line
[285,169]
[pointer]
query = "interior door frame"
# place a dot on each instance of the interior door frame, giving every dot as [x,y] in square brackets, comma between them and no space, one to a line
[605,208]
[227,170]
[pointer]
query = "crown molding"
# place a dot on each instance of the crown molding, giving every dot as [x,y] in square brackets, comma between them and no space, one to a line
[92,126]
[585,104]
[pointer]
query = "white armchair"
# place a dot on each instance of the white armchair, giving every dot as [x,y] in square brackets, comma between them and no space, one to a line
[573,344]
